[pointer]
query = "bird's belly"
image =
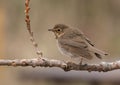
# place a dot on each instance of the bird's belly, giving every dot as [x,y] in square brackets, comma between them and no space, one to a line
[64,51]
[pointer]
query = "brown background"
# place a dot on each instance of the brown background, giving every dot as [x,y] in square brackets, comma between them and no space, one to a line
[98,19]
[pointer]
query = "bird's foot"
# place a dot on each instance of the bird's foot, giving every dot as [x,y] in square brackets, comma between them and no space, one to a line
[81,61]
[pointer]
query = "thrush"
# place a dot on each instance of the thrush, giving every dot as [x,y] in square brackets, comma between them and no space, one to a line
[72,42]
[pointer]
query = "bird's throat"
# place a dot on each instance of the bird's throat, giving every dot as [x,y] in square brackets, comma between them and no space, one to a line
[57,35]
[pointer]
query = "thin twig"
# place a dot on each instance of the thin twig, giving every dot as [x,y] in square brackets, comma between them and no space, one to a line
[66,66]
[27,20]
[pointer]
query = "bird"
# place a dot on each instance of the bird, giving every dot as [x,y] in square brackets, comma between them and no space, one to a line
[72,42]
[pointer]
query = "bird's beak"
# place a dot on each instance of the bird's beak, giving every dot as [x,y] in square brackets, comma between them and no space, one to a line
[51,30]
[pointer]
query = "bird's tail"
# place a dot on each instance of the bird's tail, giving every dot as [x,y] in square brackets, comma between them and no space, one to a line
[98,53]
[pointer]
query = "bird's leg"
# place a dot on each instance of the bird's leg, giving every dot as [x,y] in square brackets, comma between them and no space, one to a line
[81,59]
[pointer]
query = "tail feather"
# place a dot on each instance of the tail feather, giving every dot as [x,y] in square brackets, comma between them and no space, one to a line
[98,53]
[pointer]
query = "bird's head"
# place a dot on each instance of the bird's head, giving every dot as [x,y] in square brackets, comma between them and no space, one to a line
[59,30]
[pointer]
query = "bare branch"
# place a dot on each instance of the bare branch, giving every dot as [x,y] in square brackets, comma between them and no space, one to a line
[27,20]
[66,66]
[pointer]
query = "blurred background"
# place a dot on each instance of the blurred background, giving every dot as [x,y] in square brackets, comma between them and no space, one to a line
[98,19]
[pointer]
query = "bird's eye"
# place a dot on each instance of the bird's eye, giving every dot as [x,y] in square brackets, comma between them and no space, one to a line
[59,30]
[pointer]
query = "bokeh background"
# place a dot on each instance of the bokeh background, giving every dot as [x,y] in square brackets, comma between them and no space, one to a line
[98,19]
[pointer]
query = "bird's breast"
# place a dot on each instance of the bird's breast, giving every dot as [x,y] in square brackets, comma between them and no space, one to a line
[63,49]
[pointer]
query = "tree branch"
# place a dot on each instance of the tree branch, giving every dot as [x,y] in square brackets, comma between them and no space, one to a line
[27,20]
[66,66]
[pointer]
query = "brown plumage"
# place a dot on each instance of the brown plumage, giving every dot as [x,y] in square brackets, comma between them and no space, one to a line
[72,42]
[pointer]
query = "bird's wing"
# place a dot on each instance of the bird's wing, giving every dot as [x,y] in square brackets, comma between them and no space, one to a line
[81,34]
[88,40]
[74,42]
[77,48]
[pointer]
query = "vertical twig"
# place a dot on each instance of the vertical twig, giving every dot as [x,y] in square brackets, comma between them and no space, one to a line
[27,20]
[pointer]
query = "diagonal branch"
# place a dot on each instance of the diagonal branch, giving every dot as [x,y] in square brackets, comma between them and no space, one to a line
[27,20]
[66,66]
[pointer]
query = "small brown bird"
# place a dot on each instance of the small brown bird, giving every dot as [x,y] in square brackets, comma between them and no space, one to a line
[72,42]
